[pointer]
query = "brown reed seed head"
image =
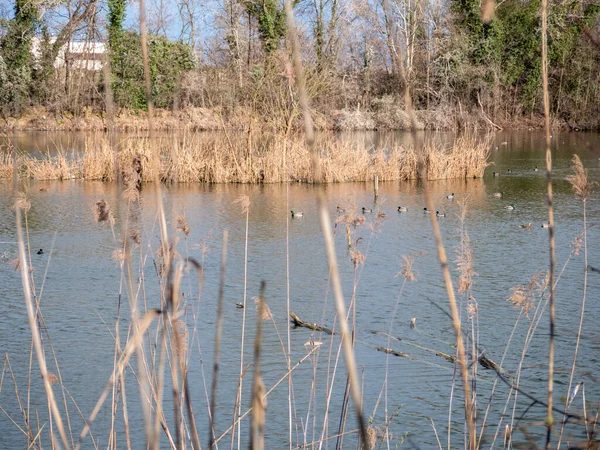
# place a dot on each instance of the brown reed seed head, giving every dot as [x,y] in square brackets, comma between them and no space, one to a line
[22,202]
[407,268]
[579,180]
[523,296]
[244,202]
[266,312]
[182,224]
[52,379]
[357,258]
[472,308]
[577,244]
[102,212]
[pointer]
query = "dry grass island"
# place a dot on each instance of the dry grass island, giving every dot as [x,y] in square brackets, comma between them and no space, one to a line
[252,158]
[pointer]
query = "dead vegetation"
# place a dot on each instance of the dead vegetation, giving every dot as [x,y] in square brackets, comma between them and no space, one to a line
[244,158]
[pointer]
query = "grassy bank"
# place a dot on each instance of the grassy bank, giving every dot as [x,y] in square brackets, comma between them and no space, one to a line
[252,158]
[386,116]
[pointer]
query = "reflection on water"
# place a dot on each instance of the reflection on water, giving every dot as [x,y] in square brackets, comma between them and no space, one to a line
[79,285]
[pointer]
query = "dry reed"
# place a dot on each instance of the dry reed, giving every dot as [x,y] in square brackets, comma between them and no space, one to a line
[201,158]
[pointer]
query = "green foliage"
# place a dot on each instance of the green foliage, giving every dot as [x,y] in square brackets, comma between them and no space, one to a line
[167,60]
[508,49]
[16,54]
[271,22]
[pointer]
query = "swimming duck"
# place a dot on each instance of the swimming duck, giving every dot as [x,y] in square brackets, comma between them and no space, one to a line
[450,196]
[40,251]
[499,194]
[365,210]
[508,170]
[527,227]
[426,211]
[381,215]
[439,214]
[510,207]
[296,214]
[402,209]
[495,174]
[340,210]
[536,169]
[545,225]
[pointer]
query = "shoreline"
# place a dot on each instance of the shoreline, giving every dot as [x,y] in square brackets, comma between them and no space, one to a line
[212,119]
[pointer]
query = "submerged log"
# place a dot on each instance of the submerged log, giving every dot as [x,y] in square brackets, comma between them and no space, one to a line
[448,357]
[311,326]
[392,352]
[489,364]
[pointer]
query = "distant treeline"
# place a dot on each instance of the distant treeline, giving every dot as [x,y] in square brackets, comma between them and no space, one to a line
[466,62]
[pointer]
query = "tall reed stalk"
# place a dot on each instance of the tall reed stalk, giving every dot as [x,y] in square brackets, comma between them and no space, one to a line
[325,225]
[552,315]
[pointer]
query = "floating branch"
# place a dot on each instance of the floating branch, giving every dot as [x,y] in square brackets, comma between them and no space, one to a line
[311,326]
[392,352]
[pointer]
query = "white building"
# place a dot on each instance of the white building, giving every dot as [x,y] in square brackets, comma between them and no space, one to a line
[83,55]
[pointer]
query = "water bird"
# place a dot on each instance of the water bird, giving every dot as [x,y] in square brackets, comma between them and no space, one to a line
[43,189]
[439,214]
[365,210]
[527,227]
[508,170]
[296,214]
[510,207]
[413,323]
[536,169]
[381,215]
[40,251]
[402,209]
[499,194]
[239,305]
[426,211]
[495,174]
[545,225]
[450,196]
[340,210]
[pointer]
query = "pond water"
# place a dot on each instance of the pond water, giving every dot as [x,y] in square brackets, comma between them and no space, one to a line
[78,282]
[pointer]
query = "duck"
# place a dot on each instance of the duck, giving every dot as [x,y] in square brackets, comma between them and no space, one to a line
[381,215]
[296,214]
[499,194]
[450,196]
[40,251]
[439,214]
[426,211]
[508,170]
[495,174]
[510,207]
[527,227]
[365,210]
[340,210]
[43,189]
[535,169]
[402,209]
[545,225]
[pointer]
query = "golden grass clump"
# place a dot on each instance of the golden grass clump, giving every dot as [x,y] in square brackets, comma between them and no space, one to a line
[49,167]
[272,158]
[579,180]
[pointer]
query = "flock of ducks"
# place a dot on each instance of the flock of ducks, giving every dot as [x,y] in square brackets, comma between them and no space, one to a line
[450,197]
